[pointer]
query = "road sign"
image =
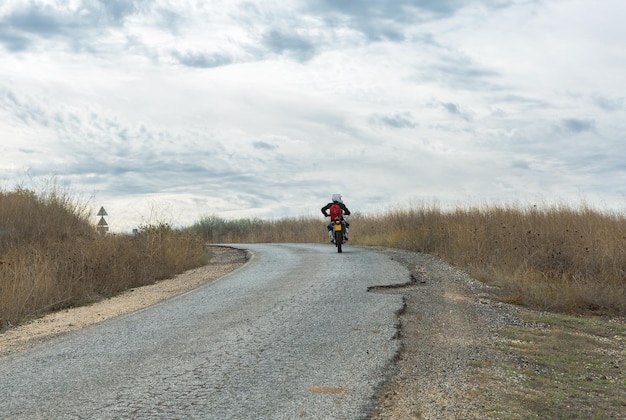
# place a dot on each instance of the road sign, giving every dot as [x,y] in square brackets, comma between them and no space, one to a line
[102,212]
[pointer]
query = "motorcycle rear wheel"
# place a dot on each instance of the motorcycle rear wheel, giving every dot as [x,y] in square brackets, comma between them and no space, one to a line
[338,239]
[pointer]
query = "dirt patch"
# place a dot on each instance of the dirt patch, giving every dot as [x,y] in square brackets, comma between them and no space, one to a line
[223,261]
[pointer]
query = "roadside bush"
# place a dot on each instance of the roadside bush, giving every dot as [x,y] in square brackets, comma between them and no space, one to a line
[215,230]
[51,256]
[558,258]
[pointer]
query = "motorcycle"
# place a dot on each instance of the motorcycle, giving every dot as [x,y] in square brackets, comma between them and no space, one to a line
[338,226]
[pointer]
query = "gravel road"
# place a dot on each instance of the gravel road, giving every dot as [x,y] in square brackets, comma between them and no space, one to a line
[293,334]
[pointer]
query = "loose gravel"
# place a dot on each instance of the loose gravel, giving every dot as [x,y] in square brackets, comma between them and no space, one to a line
[447,326]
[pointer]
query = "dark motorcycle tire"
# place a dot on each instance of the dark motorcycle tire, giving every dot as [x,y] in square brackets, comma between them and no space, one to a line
[338,239]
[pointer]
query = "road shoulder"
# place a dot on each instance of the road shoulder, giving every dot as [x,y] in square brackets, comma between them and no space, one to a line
[223,261]
[446,327]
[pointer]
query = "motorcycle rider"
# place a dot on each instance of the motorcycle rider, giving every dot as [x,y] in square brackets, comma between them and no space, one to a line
[336,199]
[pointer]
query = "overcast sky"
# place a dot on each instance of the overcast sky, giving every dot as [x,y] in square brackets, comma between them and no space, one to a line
[177,109]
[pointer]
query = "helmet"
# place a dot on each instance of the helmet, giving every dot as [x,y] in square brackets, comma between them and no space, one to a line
[337,198]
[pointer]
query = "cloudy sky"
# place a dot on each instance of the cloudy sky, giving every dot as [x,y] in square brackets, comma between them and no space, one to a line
[176,109]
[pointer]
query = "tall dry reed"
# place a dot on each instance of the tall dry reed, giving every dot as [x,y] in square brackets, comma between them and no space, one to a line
[216,230]
[51,256]
[556,258]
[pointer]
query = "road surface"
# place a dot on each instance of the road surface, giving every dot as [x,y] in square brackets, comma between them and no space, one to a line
[292,334]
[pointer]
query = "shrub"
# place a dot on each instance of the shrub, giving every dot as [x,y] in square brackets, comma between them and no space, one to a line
[51,256]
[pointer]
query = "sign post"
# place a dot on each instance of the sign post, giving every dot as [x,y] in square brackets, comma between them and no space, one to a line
[103,226]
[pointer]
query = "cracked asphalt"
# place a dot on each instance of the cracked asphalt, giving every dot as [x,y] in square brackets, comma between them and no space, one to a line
[292,334]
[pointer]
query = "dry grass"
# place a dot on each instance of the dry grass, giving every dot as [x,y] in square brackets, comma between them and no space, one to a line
[558,258]
[559,367]
[51,256]
[215,230]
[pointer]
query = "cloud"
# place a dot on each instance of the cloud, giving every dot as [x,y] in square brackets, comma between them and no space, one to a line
[12,41]
[24,110]
[525,101]
[78,25]
[608,103]
[397,120]
[376,20]
[400,10]
[202,60]
[263,145]
[32,22]
[149,28]
[451,108]
[35,17]
[382,20]
[575,125]
[40,20]
[459,71]
[118,10]
[520,164]
[289,42]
